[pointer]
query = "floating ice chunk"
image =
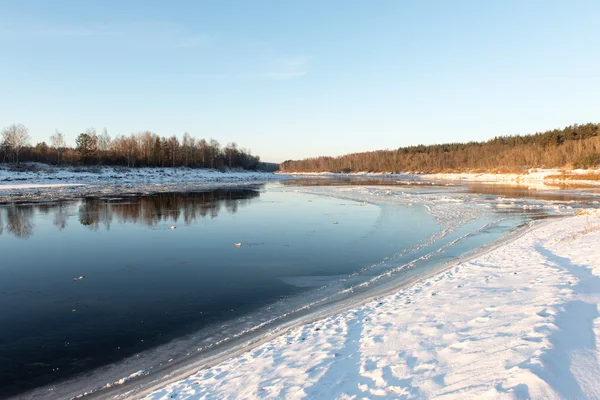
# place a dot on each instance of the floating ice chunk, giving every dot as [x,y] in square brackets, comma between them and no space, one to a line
[79,278]
[237,244]
[172,227]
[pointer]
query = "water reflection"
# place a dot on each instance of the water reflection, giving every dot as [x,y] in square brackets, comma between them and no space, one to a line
[150,210]
[550,192]
[351,181]
[19,221]
[60,216]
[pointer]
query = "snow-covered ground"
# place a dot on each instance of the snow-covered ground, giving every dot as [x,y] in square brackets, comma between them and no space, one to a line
[520,321]
[41,174]
[35,181]
[533,177]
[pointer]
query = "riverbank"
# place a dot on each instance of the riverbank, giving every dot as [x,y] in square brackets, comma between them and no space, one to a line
[518,321]
[540,178]
[34,181]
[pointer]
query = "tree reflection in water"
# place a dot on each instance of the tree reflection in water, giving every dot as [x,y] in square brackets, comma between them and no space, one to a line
[19,221]
[149,210]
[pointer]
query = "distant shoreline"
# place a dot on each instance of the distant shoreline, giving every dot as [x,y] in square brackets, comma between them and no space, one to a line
[532,177]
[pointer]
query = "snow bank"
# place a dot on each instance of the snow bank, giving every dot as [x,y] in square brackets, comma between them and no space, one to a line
[533,177]
[35,181]
[520,321]
[35,174]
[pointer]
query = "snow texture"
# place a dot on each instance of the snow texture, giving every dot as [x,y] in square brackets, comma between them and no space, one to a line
[520,321]
[39,181]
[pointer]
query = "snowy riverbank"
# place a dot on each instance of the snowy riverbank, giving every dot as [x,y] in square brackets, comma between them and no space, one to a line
[35,181]
[540,178]
[533,177]
[42,174]
[520,321]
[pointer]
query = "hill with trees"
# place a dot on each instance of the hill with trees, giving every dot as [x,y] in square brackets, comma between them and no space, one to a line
[145,149]
[576,146]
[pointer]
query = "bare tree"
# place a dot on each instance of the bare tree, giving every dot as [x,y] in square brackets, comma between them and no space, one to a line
[214,150]
[58,142]
[131,148]
[146,147]
[203,147]
[104,141]
[14,138]
[173,148]
[186,145]
[230,152]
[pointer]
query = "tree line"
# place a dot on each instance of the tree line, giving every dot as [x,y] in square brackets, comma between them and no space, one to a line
[576,146]
[144,149]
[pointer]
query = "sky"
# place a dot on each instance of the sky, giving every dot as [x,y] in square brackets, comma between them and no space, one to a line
[296,79]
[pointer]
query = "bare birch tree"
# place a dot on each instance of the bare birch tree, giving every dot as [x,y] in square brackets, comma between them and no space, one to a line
[104,141]
[14,138]
[58,142]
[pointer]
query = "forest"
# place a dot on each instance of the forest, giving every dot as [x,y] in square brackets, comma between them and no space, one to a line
[576,146]
[145,149]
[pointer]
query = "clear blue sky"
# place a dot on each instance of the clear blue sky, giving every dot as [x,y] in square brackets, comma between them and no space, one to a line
[291,79]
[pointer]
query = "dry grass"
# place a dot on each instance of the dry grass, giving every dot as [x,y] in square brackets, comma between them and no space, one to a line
[589,212]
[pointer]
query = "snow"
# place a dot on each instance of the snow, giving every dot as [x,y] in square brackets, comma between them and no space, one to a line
[533,177]
[36,180]
[38,186]
[38,174]
[519,321]
[127,378]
